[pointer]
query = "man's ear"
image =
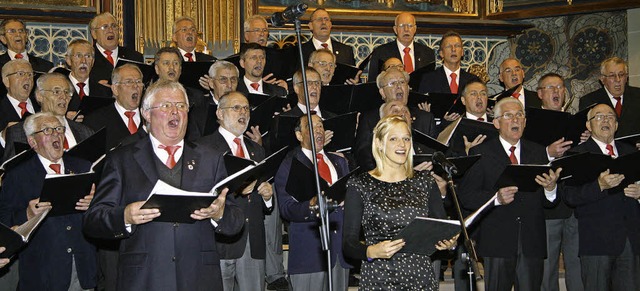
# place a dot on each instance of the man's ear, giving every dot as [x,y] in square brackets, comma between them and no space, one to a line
[32,142]
[299,136]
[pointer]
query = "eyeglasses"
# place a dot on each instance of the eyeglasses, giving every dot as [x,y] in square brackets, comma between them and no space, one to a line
[511,115]
[324,64]
[225,80]
[79,56]
[49,130]
[237,108]
[406,25]
[112,26]
[258,30]
[321,19]
[21,74]
[17,31]
[131,83]
[187,29]
[311,83]
[601,117]
[167,106]
[59,92]
[551,87]
[613,76]
[396,83]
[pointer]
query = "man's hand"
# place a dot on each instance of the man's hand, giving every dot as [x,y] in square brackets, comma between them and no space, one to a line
[549,181]
[507,194]
[75,116]
[424,106]
[606,180]
[84,202]
[215,211]
[453,116]
[469,144]
[328,135]
[385,249]
[558,148]
[585,136]
[424,166]
[272,80]
[266,191]
[5,261]
[204,82]
[254,134]
[105,83]
[247,190]
[354,80]
[285,109]
[36,207]
[633,191]
[442,184]
[134,215]
[447,244]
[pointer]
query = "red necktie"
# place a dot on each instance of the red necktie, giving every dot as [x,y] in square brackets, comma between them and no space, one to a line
[109,58]
[131,125]
[65,145]
[324,45]
[618,107]
[610,150]
[453,86]
[408,63]
[81,87]
[480,119]
[239,151]
[171,150]
[189,57]
[255,86]
[23,108]
[323,169]
[512,156]
[516,95]
[19,56]
[55,168]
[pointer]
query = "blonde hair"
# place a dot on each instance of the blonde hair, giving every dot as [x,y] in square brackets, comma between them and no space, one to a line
[378,146]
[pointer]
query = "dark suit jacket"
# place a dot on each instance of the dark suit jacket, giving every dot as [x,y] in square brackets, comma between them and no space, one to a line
[268,89]
[531,99]
[423,56]
[9,114]
[15,134]
[160,255]
[45,264]
[305,249]
[422,121]
[102,69]
[629,121]
[500,226]
[201,57]
[606,219]
[232,247]
[343,52]
[202,119]
[109,118]
[97,90]
[37,64]
[436,81]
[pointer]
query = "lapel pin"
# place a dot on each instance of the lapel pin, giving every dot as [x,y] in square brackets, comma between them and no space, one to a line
[190,164]
[337,52]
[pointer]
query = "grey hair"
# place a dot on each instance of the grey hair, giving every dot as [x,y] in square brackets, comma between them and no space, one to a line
[247,22]
[152,91]
[115,76]
[182,18]
[497,110]
[45,77]
[9,66]
[383,75]
[297,77]
[75,42]
[30,122]
[213,70]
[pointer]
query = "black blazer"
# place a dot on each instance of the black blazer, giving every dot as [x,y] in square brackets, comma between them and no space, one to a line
[15,134]
[436,81]
[37,64]
[422,121]
[297,112]
[423,56]
[180,255]
[500,225]
[97,90]
[201,57]
[45,263]
[102,69]
[232,247]
[343,52]
[531,99]
[606,219]
[9,114]
[268,89]
[629,121]
[109,118]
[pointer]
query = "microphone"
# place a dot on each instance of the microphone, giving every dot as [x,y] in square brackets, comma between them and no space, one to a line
[439,159]
[292,12]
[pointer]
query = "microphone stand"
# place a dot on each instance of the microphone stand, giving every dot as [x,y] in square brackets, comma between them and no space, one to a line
[322,205]
[471,257]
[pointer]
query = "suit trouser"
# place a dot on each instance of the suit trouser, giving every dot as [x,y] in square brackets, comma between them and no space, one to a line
[9,276]
[603,273]
[319,281]
[245,273]
[562,235]
[274,267]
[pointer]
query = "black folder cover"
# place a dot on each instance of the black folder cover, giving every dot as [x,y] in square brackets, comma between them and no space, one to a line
[522,176]
[462,163]
[423,233]
[440,102]
[191,73]
[426,140]
[344,131]
[148,71]
[586,167]
[63,191]
[263,113]
[343,72]
[90,104]
[547,126]
[177,208]
[92,148]
[301,184]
